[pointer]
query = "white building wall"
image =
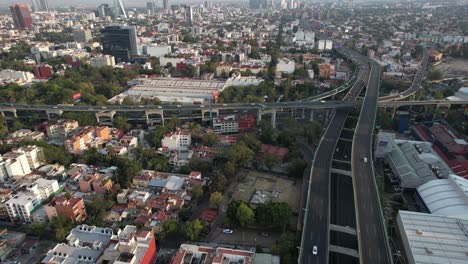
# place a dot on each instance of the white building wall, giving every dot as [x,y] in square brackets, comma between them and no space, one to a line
[285,66]
[21,205]
[158,51]
[101,61]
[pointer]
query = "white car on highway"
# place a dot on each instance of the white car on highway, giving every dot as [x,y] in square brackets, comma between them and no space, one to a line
[314,251]
[364,159]
[228,231]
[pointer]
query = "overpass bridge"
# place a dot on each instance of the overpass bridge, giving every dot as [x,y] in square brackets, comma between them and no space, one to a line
[154,114]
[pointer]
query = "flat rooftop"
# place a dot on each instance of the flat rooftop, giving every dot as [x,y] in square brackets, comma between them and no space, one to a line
[176,86]
[432,239]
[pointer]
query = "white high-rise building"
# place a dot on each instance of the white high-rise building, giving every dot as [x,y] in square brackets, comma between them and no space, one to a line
[19,162]
[40,5]
[119,9]
[43,187]
[325,44]
[21,206]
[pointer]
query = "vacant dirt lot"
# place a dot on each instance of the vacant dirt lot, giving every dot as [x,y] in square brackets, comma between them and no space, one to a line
[285,189]
[454,68]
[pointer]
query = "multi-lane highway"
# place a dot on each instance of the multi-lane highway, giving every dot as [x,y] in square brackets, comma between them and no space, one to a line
[253,106]
[317,220]
[414,85]
[373,243]
[139,108]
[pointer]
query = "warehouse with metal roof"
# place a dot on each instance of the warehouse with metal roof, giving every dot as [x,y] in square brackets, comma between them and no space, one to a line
[448,197]
[433,239]
[415,163]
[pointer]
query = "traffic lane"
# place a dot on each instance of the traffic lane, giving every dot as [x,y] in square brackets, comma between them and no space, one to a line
[317,222]
[371,234]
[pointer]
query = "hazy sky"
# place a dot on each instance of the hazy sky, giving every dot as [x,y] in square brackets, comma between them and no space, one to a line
[90,3]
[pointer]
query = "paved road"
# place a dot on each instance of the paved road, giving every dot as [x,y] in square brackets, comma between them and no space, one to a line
[316,230]
[416,82]
[141,108]
[348,104]
[373,244]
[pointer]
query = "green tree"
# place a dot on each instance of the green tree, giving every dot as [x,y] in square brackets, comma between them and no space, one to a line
[195,128]
[273,214]
[122,123]
[296,167]
[185,169]
[245,215]
[169,228]
[270,160]
[17,124]
[286,248]
[3,127]
[216,200]
[232,210]
[36,229]
[209,139]
[218,182]
[229,169]
[252,142]
[240,154]
[438,95]
[193,229]
[62,226]
[83,118]
[435,74]
[197,192]
[185,213]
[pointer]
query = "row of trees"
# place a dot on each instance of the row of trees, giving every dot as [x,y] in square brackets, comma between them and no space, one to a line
[271,215]
[190,229]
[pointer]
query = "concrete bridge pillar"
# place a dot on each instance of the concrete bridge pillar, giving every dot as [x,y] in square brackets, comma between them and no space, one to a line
[303,113]
[150,121]
[394,112]
[259,116]
[273,118]
[54,111]
[213,112]
[10,110]
[108,117]
[311,118]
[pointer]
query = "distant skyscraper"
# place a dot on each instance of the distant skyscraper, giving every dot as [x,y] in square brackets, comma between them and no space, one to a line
[21,16]
[189,15]
[119,9]
[166,5]
[256,4]
[40,5]
[290,4]
[104,10]
[151,6]
[120,42]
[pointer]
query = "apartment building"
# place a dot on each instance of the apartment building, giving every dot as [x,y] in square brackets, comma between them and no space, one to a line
[73,209]
[233,124]
[130,246]
[21,206]
[43,188]
[59,129]
[178,140]
[326,70]
[85,138]
[19,162]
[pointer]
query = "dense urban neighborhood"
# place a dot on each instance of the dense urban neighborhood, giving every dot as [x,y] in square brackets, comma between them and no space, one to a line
[234,132]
